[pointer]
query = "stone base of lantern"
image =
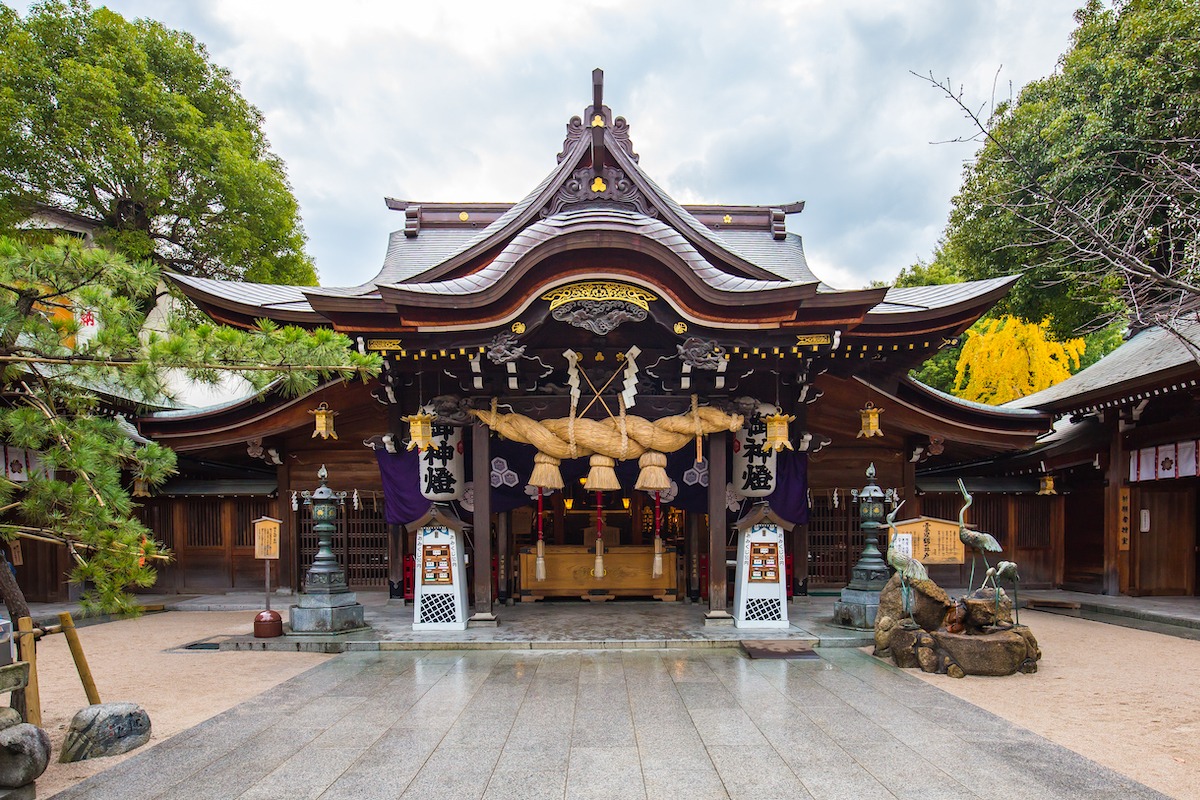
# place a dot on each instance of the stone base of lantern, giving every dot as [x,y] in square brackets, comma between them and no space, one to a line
[327,613]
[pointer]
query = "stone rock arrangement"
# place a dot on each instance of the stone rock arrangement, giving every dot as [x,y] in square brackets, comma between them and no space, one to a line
[107,729]
[973,635]
[24,751]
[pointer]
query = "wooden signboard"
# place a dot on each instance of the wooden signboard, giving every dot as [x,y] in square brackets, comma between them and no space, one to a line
[934,541]
[266,537]
[437,566]
[1123,541]
[764,562]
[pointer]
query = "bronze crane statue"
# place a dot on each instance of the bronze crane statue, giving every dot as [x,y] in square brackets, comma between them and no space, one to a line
[980,542]
[1007,569]
[907,567]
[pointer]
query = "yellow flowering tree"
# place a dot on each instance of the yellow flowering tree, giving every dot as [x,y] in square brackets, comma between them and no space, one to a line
[1005,358]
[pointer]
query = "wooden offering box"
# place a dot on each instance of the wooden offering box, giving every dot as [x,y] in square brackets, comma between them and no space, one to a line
[628,573]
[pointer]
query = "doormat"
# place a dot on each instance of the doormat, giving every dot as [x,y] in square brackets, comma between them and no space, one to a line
[778,648]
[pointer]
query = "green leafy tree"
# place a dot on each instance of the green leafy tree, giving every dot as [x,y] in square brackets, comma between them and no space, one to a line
[1090,181]
[52,384]
[130,124]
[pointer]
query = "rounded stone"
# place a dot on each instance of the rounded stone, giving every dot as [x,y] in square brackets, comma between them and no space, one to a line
[24,754]
[106,729]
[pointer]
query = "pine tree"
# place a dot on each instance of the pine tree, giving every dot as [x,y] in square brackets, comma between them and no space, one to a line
[52,385]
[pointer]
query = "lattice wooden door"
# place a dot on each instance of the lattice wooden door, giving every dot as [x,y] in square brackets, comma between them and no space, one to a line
[834,540]
[360,544]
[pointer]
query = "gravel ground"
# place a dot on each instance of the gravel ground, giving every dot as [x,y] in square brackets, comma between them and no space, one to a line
[1125,698]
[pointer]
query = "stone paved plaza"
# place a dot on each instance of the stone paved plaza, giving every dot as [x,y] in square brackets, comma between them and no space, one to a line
[622,724]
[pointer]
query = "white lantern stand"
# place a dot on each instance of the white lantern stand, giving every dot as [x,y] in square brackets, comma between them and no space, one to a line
[760,587]
[440,593]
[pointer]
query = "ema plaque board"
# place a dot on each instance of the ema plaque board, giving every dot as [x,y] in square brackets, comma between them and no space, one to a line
[934,541]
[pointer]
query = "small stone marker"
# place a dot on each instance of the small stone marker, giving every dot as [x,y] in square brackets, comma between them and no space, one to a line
[106,729]
[24,754]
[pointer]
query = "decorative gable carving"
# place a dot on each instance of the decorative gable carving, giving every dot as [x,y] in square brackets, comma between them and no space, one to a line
[611,185]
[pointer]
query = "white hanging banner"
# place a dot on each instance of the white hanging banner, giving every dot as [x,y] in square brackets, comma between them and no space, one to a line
[1167,461]
[753,467]
[442,464]
[1187,460]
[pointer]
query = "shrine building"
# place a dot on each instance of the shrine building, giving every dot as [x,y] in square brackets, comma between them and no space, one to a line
[602,383]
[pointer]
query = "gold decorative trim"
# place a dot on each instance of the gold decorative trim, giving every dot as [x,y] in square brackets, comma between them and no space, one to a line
[814,338]
[600,290]
[518,327]
[383,344]
[680,327]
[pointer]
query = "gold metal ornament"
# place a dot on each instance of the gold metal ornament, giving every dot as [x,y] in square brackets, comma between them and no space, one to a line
[420,428]
[323,419]
[870,421]
[1047,485]
[777,432]
[600,290]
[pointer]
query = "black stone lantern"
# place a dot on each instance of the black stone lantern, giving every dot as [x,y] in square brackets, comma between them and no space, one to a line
[325,575]
[327,604]
[860,599]
[871,572]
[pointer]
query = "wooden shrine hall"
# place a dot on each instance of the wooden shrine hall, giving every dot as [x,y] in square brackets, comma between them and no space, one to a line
[600,383]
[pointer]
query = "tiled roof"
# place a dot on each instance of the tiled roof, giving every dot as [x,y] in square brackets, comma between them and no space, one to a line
[1152,351]
[596,216]
[262,295]
[924,298]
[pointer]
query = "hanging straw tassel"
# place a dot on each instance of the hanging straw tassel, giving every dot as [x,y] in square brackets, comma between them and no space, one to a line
[539,566]
[601,477]
[546,474]
[653,475]
[656,572]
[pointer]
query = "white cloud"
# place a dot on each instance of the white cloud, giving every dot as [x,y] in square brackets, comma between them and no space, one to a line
[729,102]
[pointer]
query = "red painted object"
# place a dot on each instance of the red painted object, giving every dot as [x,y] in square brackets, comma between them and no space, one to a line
[410,569]
[787,571]
[268,625]
[704,576]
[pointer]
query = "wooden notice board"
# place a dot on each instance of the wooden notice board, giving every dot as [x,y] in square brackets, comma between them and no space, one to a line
[436,568]
[764,562]
[266,537]
[934,541]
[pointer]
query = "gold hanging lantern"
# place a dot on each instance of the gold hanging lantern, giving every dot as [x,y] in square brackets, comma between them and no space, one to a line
[141,487]
[420,428]
[777,432]
[323,417]
[1047,486]
[870,421]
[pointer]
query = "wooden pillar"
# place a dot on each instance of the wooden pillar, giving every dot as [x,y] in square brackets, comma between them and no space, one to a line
[718,443]
[693,556]
[503,554]
[482,557]
[912,500]
[1117,470]
[395,550]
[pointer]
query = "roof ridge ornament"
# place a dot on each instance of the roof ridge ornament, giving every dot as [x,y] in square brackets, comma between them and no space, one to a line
[599,119]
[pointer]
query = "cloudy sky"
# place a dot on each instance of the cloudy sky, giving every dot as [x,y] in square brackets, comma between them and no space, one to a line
[728,102]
